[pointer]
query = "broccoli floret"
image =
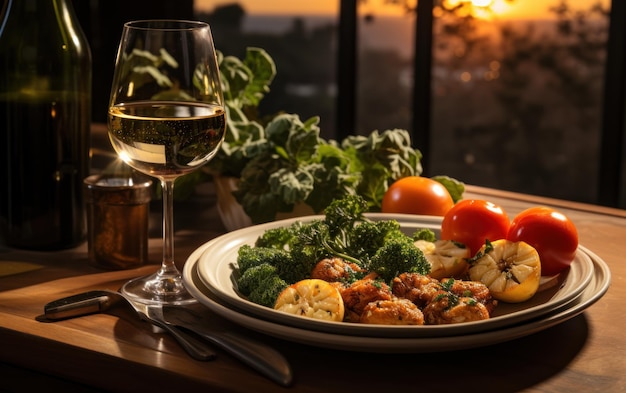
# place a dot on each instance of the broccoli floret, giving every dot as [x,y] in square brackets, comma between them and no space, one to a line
[368,236]
[309,247]
[262,284]
[316,242]
[343,213]
[253,277]
[425,234]
[287,267]
[248,257]
[267,292]
[292,270]
[330,237]
[278,238]
[399,255]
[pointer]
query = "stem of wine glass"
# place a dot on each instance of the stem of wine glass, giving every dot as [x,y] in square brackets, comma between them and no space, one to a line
[168,267]
[166,286]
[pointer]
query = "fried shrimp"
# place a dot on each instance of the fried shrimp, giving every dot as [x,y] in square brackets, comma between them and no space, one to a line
[397,311]
[418,288]
[447,308]
[334,269]
[446,301]
[362,292]
[476,290]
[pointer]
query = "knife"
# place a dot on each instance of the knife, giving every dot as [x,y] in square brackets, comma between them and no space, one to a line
[100,301]
[259,356]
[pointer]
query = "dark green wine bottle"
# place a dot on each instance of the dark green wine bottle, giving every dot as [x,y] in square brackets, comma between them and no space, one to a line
[45,115]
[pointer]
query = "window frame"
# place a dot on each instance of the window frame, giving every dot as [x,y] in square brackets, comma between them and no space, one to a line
[611,187]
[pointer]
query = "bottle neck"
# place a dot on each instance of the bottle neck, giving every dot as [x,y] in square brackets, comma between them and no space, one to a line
[43,15]
[4,14]
[43,49]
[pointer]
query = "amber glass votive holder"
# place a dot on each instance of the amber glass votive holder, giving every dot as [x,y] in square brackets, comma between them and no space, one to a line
[118,211]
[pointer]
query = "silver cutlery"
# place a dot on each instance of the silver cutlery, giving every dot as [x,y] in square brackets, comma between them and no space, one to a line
[102,300]
[178,320]
[260,357]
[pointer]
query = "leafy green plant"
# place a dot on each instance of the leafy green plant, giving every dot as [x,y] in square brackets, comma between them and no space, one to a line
[293,164]
[284,161]
[244,84]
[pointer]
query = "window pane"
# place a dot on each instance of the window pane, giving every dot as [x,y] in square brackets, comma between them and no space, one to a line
[301,39]
[385,66]
[517,89]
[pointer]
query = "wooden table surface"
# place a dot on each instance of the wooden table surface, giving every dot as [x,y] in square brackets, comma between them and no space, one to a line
[105,352]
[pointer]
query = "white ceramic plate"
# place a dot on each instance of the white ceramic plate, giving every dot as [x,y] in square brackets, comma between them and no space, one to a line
[217,271]
[597,287]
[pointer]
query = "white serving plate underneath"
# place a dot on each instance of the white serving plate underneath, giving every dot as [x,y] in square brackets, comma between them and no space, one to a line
[596,288]
[216,270]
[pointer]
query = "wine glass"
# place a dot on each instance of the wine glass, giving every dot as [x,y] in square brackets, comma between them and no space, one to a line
[166,119]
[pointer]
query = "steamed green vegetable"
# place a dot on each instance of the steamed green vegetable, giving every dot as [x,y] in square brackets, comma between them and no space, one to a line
[286,255]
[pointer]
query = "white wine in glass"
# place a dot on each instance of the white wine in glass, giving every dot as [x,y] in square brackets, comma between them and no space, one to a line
[166,119]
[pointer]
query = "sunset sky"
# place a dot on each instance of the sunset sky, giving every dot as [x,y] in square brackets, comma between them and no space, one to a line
[504,8]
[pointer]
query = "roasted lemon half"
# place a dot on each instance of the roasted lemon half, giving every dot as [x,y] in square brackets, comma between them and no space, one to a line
[446,258]
[511,270]
[313,298]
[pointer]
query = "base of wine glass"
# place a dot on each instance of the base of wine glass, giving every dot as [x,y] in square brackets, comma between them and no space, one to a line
[157,289]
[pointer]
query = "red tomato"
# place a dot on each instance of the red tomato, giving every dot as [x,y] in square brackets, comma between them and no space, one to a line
[417,195]
[551,233]
[472,221]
